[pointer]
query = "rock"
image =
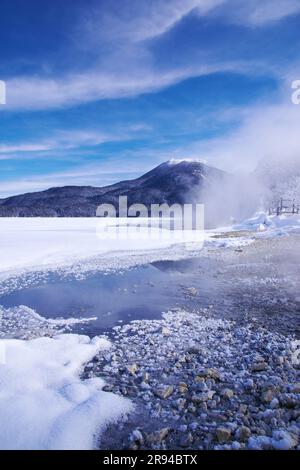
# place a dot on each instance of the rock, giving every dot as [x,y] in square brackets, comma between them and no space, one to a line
[212,404]
[183,428]
[134,446]
[210,373]
[194,426]
[285,440]
[227,393]
[192,409]
[259,358]
[202,397]
[183,388]
[249,384]
[295,388]
[212,387]
[259,443]
[145,386]
[279,360]
[179,404]
[164,392]
[186,441]
[165,331]
[132,369]
[267,396]
[194,350]
[274,403]
[288,400]
[235,445]
[243,408]
[158,436]
[223,434]
[199,379]
[243,433]
[136,437]
[201,386]
[259,366]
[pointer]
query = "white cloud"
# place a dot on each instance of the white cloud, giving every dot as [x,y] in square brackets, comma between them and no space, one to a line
[23,147]
[266,132]
[138,20]
[65,140]
[123,66]
[261,12]
[269,132]
[34,93]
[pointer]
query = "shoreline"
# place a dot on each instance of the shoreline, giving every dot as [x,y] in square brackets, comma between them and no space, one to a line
[190,374]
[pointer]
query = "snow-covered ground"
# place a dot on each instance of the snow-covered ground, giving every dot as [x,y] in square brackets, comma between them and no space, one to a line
[30,244]
[41,243]
[44,373]
[273,225]
[43,402]
[260,226]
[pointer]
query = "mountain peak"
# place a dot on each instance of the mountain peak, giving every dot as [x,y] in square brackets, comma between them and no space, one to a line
[176,161]
[175,181]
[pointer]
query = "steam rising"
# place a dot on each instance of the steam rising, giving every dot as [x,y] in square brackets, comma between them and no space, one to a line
[235,198]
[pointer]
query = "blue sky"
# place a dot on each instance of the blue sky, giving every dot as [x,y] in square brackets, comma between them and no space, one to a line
[100,91]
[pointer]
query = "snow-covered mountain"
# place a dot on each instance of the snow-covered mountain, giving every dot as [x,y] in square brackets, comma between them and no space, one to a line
[225,196]
[175,181]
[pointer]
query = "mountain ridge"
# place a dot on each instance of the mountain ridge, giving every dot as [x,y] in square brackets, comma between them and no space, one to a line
[170,182]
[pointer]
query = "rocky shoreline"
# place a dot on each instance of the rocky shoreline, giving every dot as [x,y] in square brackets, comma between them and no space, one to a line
[219,371]
[199,382]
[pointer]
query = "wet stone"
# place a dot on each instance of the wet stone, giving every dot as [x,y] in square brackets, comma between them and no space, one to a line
[223,434]
[259,366]
[164,392]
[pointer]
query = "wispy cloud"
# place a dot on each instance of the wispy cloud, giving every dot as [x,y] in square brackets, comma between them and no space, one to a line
[266,132]
[126,51]
[139,20]
[63,140]
[7,149]
[258,12]
[99,174]
[35,94]
[122,63]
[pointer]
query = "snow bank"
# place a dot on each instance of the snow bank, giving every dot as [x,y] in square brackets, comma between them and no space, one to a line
[259,226]
[278,224]
[43,402]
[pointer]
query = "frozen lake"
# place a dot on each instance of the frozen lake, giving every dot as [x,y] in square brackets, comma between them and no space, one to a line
[138,293]
[258,283]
